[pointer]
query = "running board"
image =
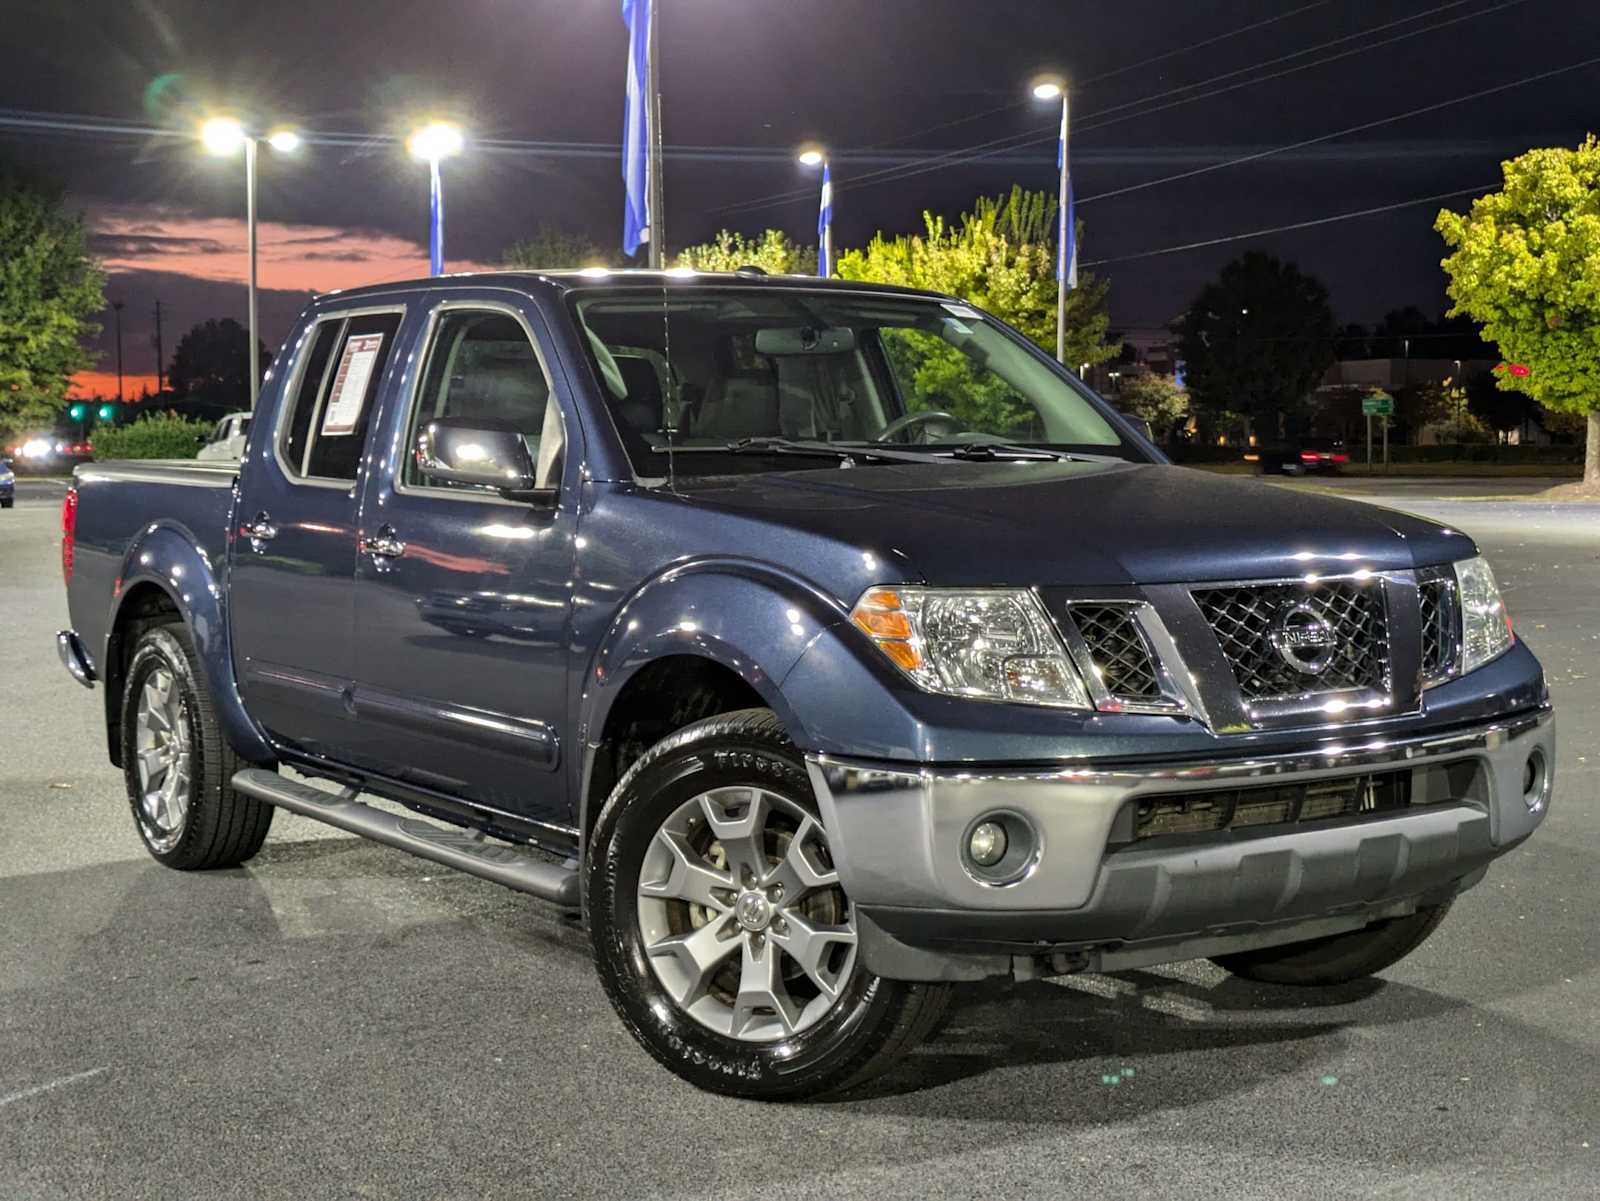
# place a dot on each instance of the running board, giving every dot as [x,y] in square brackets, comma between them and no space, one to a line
[465,850]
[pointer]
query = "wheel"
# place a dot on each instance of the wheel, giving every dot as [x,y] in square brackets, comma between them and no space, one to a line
[177,765]
[720,930]
[7,503]
[1339,958]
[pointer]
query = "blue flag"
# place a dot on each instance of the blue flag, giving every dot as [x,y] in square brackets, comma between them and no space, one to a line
[636,132]
[825,226]
[1067,240]
[435,220]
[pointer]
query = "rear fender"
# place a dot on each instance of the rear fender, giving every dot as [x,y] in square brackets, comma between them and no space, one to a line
[165,556]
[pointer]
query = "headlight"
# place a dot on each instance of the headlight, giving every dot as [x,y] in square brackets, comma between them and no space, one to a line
[989,643]
[1485,624]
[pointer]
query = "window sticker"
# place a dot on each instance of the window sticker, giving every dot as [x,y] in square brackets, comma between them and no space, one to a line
[961,310]
[350,385]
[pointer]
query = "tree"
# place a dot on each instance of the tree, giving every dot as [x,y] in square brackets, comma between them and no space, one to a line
[1502,410]
[1001,257]
[1154,398]
[211,366]
[1257,340]
[49,287]
[774,251]
[552,248]
[1522,263]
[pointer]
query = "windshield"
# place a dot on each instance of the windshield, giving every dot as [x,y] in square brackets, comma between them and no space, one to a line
[702,369]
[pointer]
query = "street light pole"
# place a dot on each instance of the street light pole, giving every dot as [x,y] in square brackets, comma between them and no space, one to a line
[222,136]
[1051,88]
[250,222]
[432,143]
[116,308]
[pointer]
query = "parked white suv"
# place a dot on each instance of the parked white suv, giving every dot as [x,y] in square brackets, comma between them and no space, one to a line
[227,440]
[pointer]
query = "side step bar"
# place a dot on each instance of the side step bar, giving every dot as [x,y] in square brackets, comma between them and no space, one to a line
[465,850]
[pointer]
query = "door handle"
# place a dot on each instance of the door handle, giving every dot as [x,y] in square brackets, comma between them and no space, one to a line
[384,547]
[260,532]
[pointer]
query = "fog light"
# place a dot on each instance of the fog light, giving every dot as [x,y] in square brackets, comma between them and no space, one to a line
[987,846]
[1535,781]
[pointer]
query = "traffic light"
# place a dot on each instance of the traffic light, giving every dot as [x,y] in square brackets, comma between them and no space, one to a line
[107,412]
[76,412]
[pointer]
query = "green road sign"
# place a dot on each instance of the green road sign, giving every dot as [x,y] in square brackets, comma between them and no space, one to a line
[1378,406]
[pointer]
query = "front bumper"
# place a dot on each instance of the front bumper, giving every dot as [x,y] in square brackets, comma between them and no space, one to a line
[896,835]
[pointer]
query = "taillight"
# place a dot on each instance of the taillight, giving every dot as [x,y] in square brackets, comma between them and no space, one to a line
[1341,458]
[69,532]
[1308,456]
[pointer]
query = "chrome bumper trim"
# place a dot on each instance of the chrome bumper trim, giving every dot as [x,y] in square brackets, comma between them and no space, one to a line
[75,658]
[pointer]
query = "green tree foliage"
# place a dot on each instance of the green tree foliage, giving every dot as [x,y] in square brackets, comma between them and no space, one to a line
[552,248]
[774,251]
[49,287]
[1525,262]
[211,365]
[1000,257]
[1257,340]
[157,436]
[1154,398]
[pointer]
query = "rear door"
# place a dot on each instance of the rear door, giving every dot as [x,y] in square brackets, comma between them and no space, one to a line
[461,629]
[291,588]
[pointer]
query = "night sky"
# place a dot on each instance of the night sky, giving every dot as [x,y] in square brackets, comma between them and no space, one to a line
[885,83]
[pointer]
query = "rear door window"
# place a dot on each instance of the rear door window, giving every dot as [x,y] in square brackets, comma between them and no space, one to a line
[336,395]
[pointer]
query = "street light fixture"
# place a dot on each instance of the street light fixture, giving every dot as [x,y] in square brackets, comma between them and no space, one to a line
[224,136]
[432,142]
[1047,88]
[813,155]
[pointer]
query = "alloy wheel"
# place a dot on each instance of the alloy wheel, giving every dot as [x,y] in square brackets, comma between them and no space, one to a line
[164,749]
[742,916]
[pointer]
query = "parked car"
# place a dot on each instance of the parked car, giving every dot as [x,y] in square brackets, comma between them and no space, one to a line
[839,649]
[1303,456]
[226,443]
[8,485]
[47,453]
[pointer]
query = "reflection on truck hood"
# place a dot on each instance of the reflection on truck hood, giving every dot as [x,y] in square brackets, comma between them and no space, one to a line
[1082,523]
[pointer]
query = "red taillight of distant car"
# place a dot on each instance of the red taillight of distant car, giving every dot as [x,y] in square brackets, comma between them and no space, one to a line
[69,532]
[1308,456]
[1338,458]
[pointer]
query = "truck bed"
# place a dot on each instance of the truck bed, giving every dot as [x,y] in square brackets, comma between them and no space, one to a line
[121,503]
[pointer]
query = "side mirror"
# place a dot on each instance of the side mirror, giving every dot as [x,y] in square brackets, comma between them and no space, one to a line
[479,451]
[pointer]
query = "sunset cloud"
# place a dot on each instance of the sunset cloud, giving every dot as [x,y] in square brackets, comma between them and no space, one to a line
[215,249]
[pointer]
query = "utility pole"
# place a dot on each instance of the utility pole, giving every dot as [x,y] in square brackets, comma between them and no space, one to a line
[657,200]
[116,307]
[160,364]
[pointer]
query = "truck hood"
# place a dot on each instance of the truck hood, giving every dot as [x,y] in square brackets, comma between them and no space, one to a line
[1096,524]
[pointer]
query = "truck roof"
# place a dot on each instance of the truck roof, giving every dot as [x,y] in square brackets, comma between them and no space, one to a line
[607,277]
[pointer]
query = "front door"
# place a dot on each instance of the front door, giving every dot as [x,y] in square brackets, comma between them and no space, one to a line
[291,589]
[462,597]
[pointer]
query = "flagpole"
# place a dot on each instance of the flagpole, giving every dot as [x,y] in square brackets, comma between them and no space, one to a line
[1062,266]
[657,197]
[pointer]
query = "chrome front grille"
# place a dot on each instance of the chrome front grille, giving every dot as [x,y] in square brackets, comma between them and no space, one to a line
[1441,627]
[1286,640]
[1118,650]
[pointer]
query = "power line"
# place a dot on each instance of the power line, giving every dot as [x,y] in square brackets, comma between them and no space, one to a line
[981,150]
[1104,117]
[1278,229]
[1093,79]
[1339,133]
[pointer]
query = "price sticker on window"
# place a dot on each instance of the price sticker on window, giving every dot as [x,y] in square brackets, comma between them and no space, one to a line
[350,382]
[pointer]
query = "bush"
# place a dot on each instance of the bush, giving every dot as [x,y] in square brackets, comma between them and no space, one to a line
[158,436]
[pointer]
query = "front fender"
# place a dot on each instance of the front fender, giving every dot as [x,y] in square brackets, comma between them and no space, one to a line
[166,556]
[754,619]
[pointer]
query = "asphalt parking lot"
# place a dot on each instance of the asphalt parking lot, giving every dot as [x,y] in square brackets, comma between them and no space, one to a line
[339,1020]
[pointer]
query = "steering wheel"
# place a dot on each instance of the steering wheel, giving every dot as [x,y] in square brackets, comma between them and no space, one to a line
[916,421]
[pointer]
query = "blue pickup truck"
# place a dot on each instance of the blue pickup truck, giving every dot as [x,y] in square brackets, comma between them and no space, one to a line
[827,645]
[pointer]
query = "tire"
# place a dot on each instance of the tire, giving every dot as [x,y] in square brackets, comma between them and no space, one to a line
[7,503]
[198,822]
[1340,958]
[769,1053]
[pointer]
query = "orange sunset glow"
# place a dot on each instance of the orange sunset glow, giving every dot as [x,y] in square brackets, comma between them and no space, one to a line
[102,385]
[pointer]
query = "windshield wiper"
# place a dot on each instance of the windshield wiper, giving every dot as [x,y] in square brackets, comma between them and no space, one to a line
[984,452]
[849,453]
